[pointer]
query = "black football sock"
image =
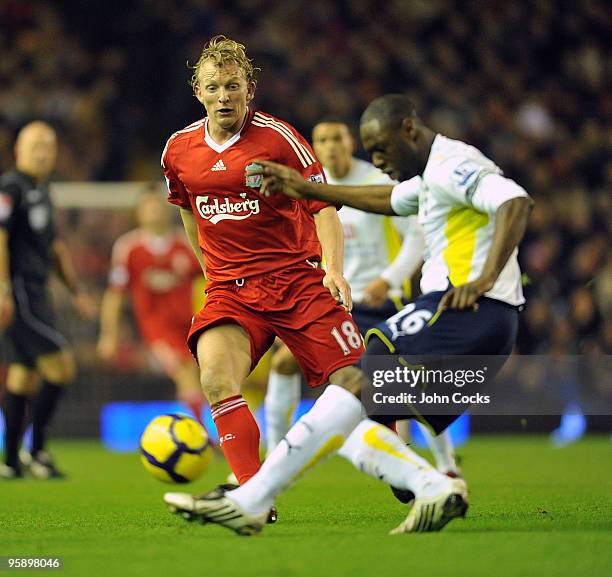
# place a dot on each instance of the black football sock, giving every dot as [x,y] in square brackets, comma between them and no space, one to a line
[14,408]
[44,406]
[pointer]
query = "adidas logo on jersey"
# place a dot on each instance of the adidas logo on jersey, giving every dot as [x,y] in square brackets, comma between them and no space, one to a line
[218,166]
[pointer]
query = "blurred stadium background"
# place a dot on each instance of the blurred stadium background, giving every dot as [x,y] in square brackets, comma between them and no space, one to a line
[527,82]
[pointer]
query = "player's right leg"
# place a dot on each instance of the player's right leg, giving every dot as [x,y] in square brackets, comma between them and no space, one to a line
[224,356]
[282,395]
[57,370]
[186,377]
[440,445]
[22,382]
[176,361]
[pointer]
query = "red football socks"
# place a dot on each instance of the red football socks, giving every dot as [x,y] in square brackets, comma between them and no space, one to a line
[238,436]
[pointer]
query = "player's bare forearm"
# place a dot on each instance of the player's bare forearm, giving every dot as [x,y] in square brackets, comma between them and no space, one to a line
[191,230]
[510,224]
[284,179]
[5,264]
[64,267]
[110,312]
[331,237]
[375,199]
[110,316]
[7,304]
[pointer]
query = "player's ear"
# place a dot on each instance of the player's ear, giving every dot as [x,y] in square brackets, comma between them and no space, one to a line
[198,94]
[409,129]
[251,91]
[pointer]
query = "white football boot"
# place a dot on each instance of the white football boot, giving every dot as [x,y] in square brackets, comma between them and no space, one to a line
[216,507]
[434,512]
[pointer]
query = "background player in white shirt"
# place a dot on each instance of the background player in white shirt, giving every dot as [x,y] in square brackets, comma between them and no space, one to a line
[375,269]
[473,220]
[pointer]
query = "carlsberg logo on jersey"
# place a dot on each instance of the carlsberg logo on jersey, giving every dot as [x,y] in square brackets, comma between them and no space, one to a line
[225,209]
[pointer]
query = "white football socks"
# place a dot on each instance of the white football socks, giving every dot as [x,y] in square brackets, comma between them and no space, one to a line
[442,449]
[317,435]
[282,396]
[337,417]
[379,452]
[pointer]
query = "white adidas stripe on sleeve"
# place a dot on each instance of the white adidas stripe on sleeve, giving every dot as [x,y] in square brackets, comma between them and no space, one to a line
[302,152]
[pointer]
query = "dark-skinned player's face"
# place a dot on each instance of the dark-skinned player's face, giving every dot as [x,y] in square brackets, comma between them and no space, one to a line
[393,150]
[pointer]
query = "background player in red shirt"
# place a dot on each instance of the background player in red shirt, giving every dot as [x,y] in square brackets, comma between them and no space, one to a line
[156,265]
[261,254]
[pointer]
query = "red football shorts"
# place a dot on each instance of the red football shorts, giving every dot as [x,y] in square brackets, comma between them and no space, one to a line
[290,303]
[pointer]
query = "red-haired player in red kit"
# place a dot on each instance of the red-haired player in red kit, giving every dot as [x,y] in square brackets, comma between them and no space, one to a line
[156,265]
[261,255]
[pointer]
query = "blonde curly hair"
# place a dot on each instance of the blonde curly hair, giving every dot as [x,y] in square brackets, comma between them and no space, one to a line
[221,49]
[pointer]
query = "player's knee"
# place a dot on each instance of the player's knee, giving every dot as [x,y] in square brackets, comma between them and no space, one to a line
[59,368]
[350,378]
[284,363]
[376,347]
[216,385]
[21,380]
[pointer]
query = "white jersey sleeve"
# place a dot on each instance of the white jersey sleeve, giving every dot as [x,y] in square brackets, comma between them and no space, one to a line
[405,197]
[409,257]
[476,182]
[493,190]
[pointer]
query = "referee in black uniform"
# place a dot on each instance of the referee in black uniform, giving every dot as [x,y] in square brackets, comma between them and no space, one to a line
[29,251]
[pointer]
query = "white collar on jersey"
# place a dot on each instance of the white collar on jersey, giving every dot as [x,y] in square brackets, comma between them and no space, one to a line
[221,147]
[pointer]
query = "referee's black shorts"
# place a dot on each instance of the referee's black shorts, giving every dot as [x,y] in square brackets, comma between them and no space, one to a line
[33,331]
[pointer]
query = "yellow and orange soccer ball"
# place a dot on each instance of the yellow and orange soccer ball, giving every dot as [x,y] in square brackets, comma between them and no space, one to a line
[175,448]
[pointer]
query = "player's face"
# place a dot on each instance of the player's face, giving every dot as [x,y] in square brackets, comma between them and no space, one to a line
[393,150]
[36,150]
[333,145]
[225,94]
[152,213]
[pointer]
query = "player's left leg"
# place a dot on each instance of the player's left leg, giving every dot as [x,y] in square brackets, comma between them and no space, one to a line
[282,395]
[440,445]
[186,377]
[442,449]
[178,363]
[21,384]
[57,370]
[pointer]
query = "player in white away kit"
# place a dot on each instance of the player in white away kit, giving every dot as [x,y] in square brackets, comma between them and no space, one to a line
[376,279]
[473,220]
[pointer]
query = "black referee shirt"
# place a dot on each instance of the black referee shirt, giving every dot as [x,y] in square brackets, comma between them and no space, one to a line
[26,213]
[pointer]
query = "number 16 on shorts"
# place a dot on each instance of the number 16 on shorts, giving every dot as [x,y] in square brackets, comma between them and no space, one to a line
[347,336]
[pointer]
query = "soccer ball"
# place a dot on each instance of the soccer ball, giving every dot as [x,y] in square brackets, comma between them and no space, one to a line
[175,448]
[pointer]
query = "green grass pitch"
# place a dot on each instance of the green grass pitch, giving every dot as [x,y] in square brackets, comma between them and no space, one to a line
[535,511]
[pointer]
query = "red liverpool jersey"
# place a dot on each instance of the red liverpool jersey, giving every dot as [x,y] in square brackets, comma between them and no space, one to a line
[158,272]
[243,233]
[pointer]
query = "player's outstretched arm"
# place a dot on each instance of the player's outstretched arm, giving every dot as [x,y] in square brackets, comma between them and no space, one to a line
[280,178]
[191,229]
[510,225]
